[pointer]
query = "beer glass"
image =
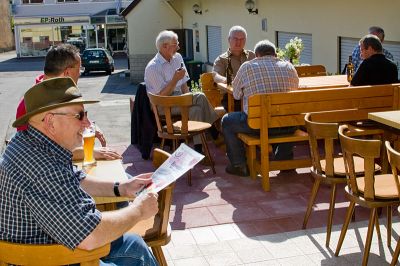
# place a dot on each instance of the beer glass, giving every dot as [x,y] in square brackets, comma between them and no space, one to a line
[88,145]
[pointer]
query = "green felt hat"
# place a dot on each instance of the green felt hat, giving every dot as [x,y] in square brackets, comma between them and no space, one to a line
[50,94]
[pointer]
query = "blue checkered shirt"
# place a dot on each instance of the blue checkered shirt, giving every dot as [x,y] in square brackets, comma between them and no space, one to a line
[356,57]
[265,74]
[41,201]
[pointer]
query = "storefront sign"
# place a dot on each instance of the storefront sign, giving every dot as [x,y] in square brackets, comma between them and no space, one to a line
[52,20]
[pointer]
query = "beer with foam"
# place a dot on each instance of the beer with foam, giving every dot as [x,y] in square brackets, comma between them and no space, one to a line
[88,145]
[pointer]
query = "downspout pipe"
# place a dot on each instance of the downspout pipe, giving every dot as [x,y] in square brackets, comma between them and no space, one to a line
[176,12]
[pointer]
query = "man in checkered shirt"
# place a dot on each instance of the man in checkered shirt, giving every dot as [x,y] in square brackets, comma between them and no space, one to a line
[264,74]
[44,200]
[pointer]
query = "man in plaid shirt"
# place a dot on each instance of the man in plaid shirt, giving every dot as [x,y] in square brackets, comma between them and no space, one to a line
[44,200]
[264,74]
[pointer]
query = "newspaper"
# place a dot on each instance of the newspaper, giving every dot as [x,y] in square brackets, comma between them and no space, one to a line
[181,161]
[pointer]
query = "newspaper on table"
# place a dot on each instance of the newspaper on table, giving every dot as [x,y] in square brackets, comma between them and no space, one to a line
[181,161]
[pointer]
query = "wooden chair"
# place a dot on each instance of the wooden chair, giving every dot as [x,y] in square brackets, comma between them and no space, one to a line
[29,254]
[184,129]
[370,191]
[394,160]
[212,92]
[329,168]
[311,71]
[156,231]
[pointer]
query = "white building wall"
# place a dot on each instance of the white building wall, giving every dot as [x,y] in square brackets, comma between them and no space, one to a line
[145,21]
[325,20]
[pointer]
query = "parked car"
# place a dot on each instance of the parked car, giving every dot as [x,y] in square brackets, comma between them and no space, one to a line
[97,59]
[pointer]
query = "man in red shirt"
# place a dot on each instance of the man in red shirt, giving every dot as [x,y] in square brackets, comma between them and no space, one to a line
[64,61]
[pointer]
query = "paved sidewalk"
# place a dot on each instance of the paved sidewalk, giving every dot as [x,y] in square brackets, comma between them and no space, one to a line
[226,245]
[227,220]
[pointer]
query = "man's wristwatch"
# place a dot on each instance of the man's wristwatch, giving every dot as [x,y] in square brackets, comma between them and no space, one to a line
[116,189]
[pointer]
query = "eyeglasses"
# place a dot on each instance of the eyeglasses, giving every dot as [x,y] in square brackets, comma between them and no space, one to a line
[79,116]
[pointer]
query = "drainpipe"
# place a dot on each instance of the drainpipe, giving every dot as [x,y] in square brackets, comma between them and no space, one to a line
[176,12]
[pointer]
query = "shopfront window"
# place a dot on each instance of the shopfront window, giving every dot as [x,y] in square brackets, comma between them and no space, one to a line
[32,1]
[36,41]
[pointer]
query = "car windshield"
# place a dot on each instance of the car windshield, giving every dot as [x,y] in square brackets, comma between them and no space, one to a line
[94,54]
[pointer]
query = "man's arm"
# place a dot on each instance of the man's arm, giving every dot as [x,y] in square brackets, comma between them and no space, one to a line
[219,70]
[154,80]
[105,188]
[238,82]
[100,153]
[113,224]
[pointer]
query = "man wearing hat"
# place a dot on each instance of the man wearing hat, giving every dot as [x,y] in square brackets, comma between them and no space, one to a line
[64,61]
[44,200]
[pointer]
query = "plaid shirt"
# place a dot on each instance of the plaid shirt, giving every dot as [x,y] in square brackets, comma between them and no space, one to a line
[356,57]
[41,201]
[264,75]
[159,72]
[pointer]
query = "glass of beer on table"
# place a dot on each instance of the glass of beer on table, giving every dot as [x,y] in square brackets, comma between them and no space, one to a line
[88,145]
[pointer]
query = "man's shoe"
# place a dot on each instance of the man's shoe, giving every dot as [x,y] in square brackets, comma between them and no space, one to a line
[237,170]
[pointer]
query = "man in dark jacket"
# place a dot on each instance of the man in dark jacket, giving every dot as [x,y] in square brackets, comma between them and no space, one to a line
[376,68]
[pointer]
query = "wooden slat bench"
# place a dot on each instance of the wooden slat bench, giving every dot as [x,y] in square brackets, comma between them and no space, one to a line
[288,109]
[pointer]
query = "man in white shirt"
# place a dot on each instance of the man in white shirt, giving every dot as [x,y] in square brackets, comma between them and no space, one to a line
[166,75]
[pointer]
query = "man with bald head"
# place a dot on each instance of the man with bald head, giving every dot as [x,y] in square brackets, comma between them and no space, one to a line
[48,200]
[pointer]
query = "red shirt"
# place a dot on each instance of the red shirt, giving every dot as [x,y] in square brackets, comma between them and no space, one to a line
[21,110]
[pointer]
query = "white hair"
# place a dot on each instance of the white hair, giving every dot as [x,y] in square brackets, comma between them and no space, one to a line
[235,29]
[166,36]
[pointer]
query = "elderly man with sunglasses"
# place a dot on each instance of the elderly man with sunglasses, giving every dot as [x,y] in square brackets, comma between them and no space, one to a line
[44,200]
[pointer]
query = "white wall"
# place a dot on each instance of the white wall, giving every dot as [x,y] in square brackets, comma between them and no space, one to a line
[325,20]
[145,21]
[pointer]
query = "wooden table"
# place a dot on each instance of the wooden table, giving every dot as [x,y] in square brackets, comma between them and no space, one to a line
[229,90]
[305,83]
[107,170]
[321,82]
[388,118]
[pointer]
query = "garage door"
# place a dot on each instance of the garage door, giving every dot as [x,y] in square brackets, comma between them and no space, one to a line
[306,56]
[214,43]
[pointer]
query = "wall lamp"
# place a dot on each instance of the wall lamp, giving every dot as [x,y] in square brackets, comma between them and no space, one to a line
[196,9]
[250,7]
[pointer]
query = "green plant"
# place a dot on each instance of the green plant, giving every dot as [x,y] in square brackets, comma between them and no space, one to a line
[195,86]
[292,51]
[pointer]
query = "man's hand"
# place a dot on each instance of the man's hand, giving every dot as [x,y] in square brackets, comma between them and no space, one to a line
[147,204]
[100,136]
[135,184]
[179,74]
[104,153]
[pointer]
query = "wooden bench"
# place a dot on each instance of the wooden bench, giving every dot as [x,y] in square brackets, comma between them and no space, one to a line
[288,109]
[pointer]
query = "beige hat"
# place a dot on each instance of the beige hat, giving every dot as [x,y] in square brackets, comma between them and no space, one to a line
[50,94]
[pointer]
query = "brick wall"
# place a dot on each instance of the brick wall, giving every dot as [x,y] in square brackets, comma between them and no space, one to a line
[137,64]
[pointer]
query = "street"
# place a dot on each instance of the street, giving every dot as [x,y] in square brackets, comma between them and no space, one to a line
[111,114]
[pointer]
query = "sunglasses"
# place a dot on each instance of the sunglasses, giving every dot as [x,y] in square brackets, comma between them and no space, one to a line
[79,116]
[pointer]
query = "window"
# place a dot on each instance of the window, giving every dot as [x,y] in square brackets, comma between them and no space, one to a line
[347,46]
[32,1]
[306,55]
[214,43]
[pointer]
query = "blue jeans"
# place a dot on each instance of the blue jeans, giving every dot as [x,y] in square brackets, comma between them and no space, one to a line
[236,122]
[129,249]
